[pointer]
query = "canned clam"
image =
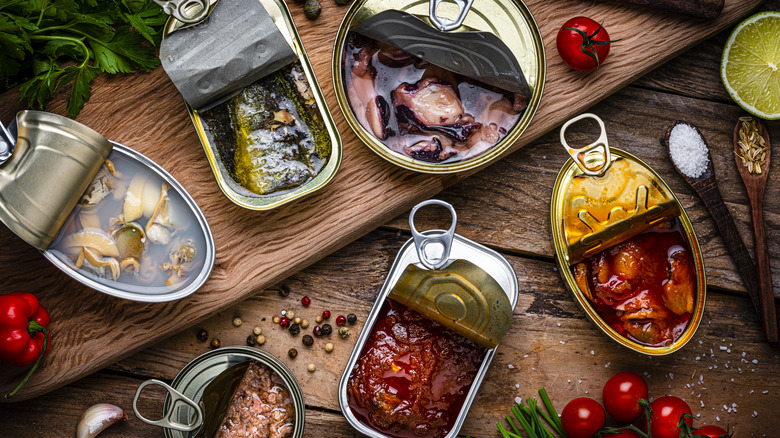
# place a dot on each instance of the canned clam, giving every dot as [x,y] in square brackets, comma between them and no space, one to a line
[431,335]
[434,93]
[626,248]
[220,384]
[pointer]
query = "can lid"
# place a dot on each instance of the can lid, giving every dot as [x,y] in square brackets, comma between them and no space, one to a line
[455,293]
[605,196]
[53,161]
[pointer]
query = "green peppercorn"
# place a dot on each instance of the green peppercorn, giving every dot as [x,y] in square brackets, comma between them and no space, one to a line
[312,9]
[343,331]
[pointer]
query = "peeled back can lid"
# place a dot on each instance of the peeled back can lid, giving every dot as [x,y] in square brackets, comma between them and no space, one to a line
[54,160]
[455,293]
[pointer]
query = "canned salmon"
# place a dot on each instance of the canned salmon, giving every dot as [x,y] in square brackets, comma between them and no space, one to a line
[626,249]
[430,337]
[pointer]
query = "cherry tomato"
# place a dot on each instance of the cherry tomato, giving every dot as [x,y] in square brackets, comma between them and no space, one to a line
[582,418]
[711,432]
[621,396]
[585,48]
[667,412]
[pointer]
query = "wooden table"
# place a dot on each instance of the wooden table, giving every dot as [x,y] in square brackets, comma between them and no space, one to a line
[727,373]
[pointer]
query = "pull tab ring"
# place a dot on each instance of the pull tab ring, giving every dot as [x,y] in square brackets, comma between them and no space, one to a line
[6,144]
[444,239]
[186,11]
[581,155]
[167,419]
[445,24]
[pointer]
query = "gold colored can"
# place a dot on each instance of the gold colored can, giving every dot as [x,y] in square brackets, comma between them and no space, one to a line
[509,20]
[603,197]
[281,17]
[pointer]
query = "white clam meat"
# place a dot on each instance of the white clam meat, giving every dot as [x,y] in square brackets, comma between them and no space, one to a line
[133,207]
[160,228]
[92,238]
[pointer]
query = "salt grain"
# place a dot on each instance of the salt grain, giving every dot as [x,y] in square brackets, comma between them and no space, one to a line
[510,366]
[518,400]
[688,151]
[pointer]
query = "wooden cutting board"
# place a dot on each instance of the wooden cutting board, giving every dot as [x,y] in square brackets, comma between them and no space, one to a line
[257,249]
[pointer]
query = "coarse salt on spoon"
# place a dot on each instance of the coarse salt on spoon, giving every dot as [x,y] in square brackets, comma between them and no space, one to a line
[751,152]
[690,155]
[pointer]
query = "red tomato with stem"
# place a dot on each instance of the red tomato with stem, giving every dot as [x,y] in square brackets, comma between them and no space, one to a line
[621,396]
[583,43]
[582,418]
[712,432]
[667,412]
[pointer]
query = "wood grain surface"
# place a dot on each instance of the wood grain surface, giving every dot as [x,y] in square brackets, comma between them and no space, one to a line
[255,250]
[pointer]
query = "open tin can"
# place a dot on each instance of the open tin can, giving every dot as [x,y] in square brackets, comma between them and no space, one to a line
[199,396]
[458,296]
[443,46]
[289,146]
[104,214]
[625,248]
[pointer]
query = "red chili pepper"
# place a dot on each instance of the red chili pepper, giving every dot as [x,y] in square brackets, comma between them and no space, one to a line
[24,334]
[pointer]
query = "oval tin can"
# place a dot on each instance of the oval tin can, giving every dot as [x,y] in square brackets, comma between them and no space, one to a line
[281,17]
[413,254]
[192,380]
[509,20]
[628,198]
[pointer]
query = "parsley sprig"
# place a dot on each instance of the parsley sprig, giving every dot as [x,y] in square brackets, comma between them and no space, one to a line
[48,44]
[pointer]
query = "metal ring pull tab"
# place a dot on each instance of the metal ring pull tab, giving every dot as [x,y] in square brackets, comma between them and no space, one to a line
[167,419]
[443,239]
[6,144]
[594,159]
[445,24]
[186,11]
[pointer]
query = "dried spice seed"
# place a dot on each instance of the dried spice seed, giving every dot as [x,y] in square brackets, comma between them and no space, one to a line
[317,331]
[276,319]
[341,320]
[260,340]
[343,332]
[295,329]
[251,340]
[752,145]
[351,318]
[326,329]
[203,335]
[342,2]
[304,324]
[290,314]
[284,291]
[293,353]
[257,330]
[305,301]
[318,319]
[326,314]
[328,347]
[312,9]
[307,340]
[237,321]
[284,322]
[311,367]
[215,343]
[297,320]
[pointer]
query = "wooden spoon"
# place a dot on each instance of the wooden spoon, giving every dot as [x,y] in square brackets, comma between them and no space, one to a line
[751,139]
[707,188]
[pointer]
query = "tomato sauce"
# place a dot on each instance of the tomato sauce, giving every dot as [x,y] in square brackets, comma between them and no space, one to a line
[645,287]
[413,375]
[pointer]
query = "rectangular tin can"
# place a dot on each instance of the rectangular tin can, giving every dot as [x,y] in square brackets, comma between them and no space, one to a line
[282,18]
[593,208]
[509,20]
[488,260]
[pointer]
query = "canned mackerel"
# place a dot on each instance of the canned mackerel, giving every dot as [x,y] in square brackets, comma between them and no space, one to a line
[211,395]
[430,337]
[626,248]
[254,100]
[435,94]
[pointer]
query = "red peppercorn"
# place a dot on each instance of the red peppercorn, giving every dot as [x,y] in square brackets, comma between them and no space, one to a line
[305,301]
[284,322]
[317,331]
[341,320]
[326,314]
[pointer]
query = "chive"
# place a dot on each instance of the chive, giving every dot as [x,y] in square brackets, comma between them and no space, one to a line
[537,422]
[556,420]
[520,415]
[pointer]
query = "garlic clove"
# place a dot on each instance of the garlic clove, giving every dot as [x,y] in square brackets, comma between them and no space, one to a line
[98,417]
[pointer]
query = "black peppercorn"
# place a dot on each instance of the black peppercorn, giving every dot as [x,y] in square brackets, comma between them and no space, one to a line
[251,340]
[284,291]
[215,343]
[293,353]
[326,329]
[351,318]
[295,329]
[312,9]
[307,340]
[203,335]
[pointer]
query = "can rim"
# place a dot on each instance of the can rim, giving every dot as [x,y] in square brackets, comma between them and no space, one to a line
[561,259]
[410,163]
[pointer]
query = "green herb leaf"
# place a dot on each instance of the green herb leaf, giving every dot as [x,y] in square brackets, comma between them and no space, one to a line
[82,89]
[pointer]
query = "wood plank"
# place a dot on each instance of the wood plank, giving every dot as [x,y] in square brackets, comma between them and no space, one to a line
[549,345]
[255,250]
[514,213]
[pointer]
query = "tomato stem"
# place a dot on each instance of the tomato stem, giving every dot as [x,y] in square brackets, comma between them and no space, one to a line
[588,43]
[33,328]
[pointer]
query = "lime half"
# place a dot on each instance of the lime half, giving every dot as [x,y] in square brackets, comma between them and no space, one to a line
[750,67]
